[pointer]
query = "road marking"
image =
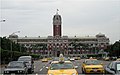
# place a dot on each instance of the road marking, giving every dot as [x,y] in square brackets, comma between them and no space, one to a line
[36,74]
[41,69]
[43,66]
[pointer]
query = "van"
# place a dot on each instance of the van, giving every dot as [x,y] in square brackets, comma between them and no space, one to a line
[29,62]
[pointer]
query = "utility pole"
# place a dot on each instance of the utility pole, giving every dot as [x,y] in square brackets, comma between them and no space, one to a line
[11,50]
[20,47]
[12,44]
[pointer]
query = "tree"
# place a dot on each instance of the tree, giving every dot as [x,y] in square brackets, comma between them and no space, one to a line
[114,49]
[10,50]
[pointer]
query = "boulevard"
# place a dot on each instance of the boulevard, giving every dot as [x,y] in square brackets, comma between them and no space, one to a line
[34,35]
[40,67]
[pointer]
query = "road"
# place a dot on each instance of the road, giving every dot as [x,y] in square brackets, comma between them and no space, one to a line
[40,67]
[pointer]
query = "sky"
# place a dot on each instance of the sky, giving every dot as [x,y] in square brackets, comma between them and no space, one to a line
[34,18]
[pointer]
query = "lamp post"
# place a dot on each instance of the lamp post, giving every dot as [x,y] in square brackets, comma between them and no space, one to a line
[12,42]
[11,49]
[94,49]
[15,32]
[2,20]
[20,47]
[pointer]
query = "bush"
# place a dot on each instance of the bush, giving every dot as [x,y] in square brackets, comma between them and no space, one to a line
[92,55]
[35,56]
[6,56]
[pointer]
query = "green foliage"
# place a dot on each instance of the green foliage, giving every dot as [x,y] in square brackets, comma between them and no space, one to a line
[92,55]
[10,50]
[6,55]
[114,50]
[39,46]
[35,56]
[7,44]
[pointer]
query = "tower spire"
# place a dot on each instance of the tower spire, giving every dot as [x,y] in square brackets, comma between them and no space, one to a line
[57,24]
[57,11]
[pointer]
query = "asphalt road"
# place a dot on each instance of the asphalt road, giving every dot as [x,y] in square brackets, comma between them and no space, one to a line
[40,67]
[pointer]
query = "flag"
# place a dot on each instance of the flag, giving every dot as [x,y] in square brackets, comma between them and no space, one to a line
[57,10]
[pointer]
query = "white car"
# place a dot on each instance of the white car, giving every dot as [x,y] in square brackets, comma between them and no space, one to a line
[29,62]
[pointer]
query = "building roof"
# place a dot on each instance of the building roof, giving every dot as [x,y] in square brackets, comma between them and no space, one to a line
[83,37]
[78,37]
[32,38]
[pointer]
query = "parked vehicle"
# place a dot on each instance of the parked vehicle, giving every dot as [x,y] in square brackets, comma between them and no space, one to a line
[107,59]
[113,68]
[16,67]
[44,60]
[118,59]
[113,58]
[29,62]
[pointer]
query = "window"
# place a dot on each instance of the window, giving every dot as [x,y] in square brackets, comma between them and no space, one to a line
[110,65]
[55,66]
[118,66]
[57,18]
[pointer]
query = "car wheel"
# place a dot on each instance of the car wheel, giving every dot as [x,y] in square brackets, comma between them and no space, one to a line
[32,71]
[5,74]
[29,71]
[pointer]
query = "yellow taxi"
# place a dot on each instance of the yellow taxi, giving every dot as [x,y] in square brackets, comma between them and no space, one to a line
[118,59]
[77,58]
[62,67]
[92,66]
[44,60]
[107,59]
[49,58]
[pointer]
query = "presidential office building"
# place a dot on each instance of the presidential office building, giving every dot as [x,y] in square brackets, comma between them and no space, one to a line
[56,44]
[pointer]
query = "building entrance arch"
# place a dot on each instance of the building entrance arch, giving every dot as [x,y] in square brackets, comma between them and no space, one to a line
[58,53]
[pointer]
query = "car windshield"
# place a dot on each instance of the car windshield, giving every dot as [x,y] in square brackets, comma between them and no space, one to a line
[118,66]
[92,62]
[55,66]
[24,59]
[15,65]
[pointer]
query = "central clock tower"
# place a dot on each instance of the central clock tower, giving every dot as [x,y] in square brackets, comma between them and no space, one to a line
[57,25]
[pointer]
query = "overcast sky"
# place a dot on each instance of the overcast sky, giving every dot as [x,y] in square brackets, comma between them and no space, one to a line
[79,17]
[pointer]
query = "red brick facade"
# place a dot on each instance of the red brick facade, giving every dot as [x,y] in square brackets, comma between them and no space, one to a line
[56,30]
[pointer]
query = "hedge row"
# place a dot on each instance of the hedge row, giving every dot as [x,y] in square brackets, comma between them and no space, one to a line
[7,56]
[94,55]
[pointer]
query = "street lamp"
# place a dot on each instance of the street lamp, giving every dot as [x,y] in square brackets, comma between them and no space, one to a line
[11,42]
[2,20]
[94,49]
[20,47]
[15,32]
